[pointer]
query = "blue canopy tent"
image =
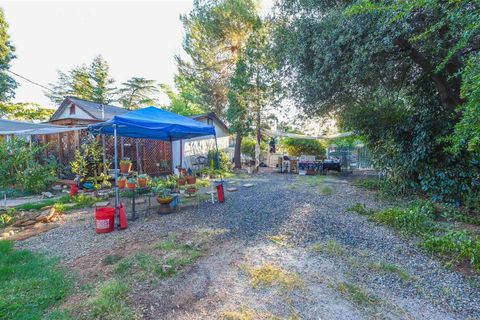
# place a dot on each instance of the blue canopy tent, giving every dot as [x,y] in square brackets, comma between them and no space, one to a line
[150,123]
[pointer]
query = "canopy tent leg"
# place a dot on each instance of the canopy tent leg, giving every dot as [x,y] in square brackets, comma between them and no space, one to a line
[115,160]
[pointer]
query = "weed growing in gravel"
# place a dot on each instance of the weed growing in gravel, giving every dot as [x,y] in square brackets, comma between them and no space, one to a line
[361,209]
[457,246]
[207,234]
[370,184]
[391,268]
[331,247]
[326,190]
[269,275]
[280,239]
[109,302]
[111,259]
[357,294]
[418,219]
[249,314]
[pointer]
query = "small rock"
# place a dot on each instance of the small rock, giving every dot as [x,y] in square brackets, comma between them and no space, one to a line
[57,187]
[232,189]
[47,194]
[248,185]
[102,204]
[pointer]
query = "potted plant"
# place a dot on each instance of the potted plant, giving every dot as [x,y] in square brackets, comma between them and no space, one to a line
[142,180]
[125,166]
[131,183]
[181,180]
[191,179]
[182,189]
[164,198]
[122,182]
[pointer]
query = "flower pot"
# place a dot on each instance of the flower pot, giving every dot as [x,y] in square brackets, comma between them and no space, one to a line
[125,167]
[122,184]
[142,182]
[131,185]
[191,190]
[166,200]
[191,179]
[181,182]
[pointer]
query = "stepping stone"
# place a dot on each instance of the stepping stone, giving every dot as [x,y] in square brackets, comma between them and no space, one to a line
[232,189]
[211,192]
[248,185]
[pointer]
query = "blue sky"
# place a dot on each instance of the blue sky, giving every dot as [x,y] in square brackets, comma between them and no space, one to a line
[137,38]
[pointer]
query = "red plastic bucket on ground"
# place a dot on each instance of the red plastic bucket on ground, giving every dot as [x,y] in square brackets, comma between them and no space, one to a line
[123,217]
[220,194]
[104,219]
[73,190]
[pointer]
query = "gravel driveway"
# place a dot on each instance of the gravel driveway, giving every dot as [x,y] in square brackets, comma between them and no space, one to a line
[345,266]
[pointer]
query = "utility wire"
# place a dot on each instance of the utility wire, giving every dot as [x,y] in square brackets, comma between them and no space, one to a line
[31,81]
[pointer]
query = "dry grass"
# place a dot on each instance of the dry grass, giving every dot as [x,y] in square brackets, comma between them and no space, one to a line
[249,314]
[278,239]
[206,234]
[357,294]
[330,247]
[271,275]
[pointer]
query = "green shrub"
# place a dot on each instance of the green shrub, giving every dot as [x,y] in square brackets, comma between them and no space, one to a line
[298,147]
[22,165]
[418,219]
[221,160]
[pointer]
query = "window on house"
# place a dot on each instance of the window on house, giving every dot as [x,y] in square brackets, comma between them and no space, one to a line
[72,109]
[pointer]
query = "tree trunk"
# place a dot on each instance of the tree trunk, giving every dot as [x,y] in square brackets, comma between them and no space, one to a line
[238,151]
[257,145]
[449,92]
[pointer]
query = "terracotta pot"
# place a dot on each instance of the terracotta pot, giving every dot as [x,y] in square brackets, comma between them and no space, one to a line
[131,185]
[164,200]
[122,183]
[125,167]
[181,182]
[142,182]
[191,179]
[191,190]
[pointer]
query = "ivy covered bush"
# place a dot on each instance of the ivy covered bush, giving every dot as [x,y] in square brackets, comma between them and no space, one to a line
[23,166]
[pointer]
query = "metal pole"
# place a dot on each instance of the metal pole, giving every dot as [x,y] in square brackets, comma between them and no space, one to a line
[116,171]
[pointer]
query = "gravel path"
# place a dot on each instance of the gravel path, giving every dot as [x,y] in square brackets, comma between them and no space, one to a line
[301,214]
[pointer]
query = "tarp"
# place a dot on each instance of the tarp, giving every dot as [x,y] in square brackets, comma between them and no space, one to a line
[301,136]
[153,123]
[22,128]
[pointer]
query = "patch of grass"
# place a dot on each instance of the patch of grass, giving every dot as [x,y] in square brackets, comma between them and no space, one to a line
[202,183]
[43,203]
[60,207]
[111,259]
[326,190]
[391,268]
[369,183]
[361,209]
[249,314]
[30,283]
[280,239]
[357,295]
[270,275]
[109,302]
[207,234]
[331,247]
[146,265]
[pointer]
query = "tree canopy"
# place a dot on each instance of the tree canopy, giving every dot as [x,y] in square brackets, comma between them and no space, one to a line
[392,71]
[92,83]
[137,92]
[7,83]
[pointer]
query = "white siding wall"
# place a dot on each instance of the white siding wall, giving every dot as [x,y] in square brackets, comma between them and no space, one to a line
[193,148]
[79,114]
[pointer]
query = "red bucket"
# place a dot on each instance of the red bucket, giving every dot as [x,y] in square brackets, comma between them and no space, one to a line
[105,219]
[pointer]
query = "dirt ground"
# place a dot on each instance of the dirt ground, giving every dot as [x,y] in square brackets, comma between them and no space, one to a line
[287,248]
